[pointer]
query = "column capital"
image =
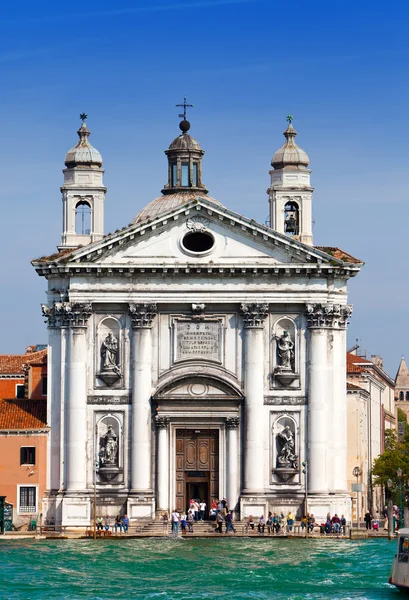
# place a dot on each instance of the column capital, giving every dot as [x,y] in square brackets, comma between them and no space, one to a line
[254,314]
[232,422]
[67,314]
[161,422]
[142,315]
[334,316]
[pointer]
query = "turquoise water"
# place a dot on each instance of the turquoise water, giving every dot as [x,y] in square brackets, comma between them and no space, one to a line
[181,569]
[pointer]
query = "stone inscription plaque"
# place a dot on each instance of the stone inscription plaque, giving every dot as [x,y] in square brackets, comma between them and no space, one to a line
[198,340]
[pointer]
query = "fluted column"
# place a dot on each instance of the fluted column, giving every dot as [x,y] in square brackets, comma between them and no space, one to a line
[232,424]
[253,320]
[74,317]
[53,398]
[326,384]
[142,316]
[162,424]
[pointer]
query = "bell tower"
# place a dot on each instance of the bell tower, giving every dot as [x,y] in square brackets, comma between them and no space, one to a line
[83,193]
[290,192]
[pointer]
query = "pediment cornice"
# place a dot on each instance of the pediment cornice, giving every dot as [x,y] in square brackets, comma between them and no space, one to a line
[302,258]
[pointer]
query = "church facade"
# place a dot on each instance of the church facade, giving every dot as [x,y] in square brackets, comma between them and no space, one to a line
[195,353]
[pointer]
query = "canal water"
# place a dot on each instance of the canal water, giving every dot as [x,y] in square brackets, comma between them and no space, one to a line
[182,569]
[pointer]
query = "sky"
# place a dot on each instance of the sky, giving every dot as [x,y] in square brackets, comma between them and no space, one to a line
[340,68]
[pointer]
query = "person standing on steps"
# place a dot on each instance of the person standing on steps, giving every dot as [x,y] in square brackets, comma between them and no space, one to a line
[174,517]
[202,510]
[368,519]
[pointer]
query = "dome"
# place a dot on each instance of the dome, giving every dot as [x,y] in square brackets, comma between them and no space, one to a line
[185,142]
[290,154]
[165,203]
[83,153]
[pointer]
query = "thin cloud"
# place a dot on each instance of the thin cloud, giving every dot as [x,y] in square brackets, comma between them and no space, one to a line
[131,11]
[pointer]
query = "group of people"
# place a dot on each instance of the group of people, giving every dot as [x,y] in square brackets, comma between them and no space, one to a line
[274,523]
[219,512]
[121,523]
[334,524]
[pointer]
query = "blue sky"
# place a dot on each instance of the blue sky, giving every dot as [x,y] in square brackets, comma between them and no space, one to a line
[341,68]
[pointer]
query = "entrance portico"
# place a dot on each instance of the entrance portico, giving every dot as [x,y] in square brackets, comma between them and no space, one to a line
[197,421]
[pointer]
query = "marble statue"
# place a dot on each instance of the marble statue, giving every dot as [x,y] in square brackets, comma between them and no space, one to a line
[285,347]
[286,457]
[109,353]
[109,448]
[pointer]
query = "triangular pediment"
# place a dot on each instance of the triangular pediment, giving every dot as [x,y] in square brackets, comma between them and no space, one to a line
[238,242]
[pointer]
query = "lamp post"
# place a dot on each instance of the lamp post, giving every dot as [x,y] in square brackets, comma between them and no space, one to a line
[305,471]
[96,464]
[399,486]
[356,473]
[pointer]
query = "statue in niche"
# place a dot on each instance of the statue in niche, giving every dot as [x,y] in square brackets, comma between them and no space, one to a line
[285,347]
[286,457]
[109,354]
[108,454]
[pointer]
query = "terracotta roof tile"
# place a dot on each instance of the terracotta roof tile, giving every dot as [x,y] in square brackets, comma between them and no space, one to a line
[352,367]
[339,254]
[21,413]
[55,256]
[14,363]
[11,363]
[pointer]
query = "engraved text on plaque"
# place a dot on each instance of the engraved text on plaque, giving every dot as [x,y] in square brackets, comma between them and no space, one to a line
[198,340]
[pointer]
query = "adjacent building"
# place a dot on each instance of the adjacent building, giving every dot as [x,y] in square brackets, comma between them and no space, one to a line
[371,411]
[196,352]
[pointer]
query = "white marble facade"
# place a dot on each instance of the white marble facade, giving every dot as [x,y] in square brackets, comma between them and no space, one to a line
[238,331]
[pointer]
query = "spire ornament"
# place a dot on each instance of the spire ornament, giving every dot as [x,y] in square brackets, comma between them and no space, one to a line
[184,125]
[83,117]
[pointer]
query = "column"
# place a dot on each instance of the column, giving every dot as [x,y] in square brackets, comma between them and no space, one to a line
[75,318]
[142,316]
[324,394]
[232,424]
[339,459]
[163,463]
[253,320]
[53,398]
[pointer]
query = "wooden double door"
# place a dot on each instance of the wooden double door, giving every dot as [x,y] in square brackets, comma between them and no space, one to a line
[197,466]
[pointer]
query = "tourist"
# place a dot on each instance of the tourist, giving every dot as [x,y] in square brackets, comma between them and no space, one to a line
[196,509]
[100,524]
[107,523]
[191,516]
[202,507]
[269,522]
[368,519]
[336,523]
[385,512]
[250,523]
[304,522]
[118,523]
[261,524]
[214,505]
[219,521]
[290,520]
[174,517]
[183,523]
[328,524]
[125,523]
[212,514]
[282,521]
[229,522]
[343,524]
[311,523]
[275,523]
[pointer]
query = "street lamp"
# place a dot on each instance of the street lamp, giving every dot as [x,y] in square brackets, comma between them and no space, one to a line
[399,473]
[356,473]
[305,471]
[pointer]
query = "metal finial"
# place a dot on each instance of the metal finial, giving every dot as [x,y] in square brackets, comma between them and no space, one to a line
[83,117]
[184,106]
[289,119]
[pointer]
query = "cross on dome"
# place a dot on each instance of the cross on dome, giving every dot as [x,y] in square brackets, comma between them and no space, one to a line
[184,106]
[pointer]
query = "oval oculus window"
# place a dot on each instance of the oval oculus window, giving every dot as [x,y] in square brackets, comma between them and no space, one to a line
[198,242]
